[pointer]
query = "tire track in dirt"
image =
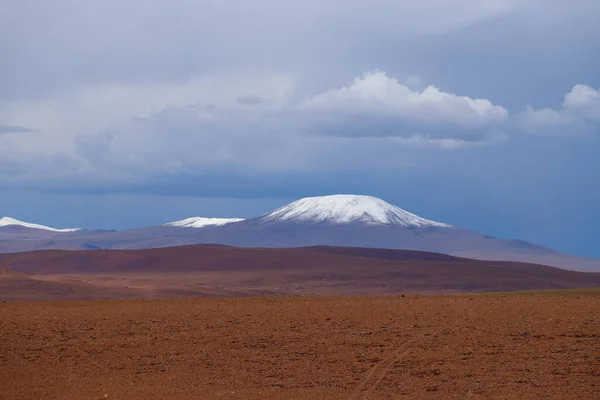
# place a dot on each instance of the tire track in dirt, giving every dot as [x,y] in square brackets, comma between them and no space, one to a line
[368,392]
[364,390]
[371,372]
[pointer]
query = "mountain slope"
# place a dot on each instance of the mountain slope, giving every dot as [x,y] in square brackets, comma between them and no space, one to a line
[11,222]
[201,222]
[342,209]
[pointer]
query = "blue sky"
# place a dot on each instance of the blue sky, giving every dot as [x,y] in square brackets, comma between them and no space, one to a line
[484,115]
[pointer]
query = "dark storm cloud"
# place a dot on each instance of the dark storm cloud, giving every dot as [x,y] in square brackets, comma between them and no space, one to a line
[14,129]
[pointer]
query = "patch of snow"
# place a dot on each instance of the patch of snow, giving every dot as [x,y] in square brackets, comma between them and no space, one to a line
[344,208]
[7,221]
[200,222]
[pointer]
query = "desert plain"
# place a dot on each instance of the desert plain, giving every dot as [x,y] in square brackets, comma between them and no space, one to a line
[474,346]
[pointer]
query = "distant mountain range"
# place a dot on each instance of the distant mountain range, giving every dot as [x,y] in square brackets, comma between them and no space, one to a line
[337,220]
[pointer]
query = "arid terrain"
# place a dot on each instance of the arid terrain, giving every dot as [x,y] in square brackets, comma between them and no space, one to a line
[241,341]
[501,346]
[223,271]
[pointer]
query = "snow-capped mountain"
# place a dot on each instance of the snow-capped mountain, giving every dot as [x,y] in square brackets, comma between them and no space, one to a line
[345,208]
[200,222]
[336,220]
[7,221]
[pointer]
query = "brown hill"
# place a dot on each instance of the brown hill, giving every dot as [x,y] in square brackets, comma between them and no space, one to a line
[209,257]
[207,270]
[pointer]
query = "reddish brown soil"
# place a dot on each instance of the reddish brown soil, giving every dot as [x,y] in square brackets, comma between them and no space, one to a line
[455,347]
[201,271]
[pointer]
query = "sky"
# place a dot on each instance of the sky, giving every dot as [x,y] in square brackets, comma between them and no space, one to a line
[483,115]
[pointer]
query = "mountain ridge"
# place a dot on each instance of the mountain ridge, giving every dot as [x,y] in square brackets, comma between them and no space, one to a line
[8,221]
[335,220]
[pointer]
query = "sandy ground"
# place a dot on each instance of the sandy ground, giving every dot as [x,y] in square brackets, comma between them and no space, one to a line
[413,347]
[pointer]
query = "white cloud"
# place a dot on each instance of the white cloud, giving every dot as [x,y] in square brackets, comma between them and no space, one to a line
[579,114]
[583,101]
[377,105]
[544,121]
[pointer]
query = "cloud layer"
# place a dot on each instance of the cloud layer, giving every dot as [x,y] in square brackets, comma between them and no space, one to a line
[278,133]
[191,87]
[264,125]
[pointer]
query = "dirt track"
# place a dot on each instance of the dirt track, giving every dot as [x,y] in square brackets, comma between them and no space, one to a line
[303,348]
